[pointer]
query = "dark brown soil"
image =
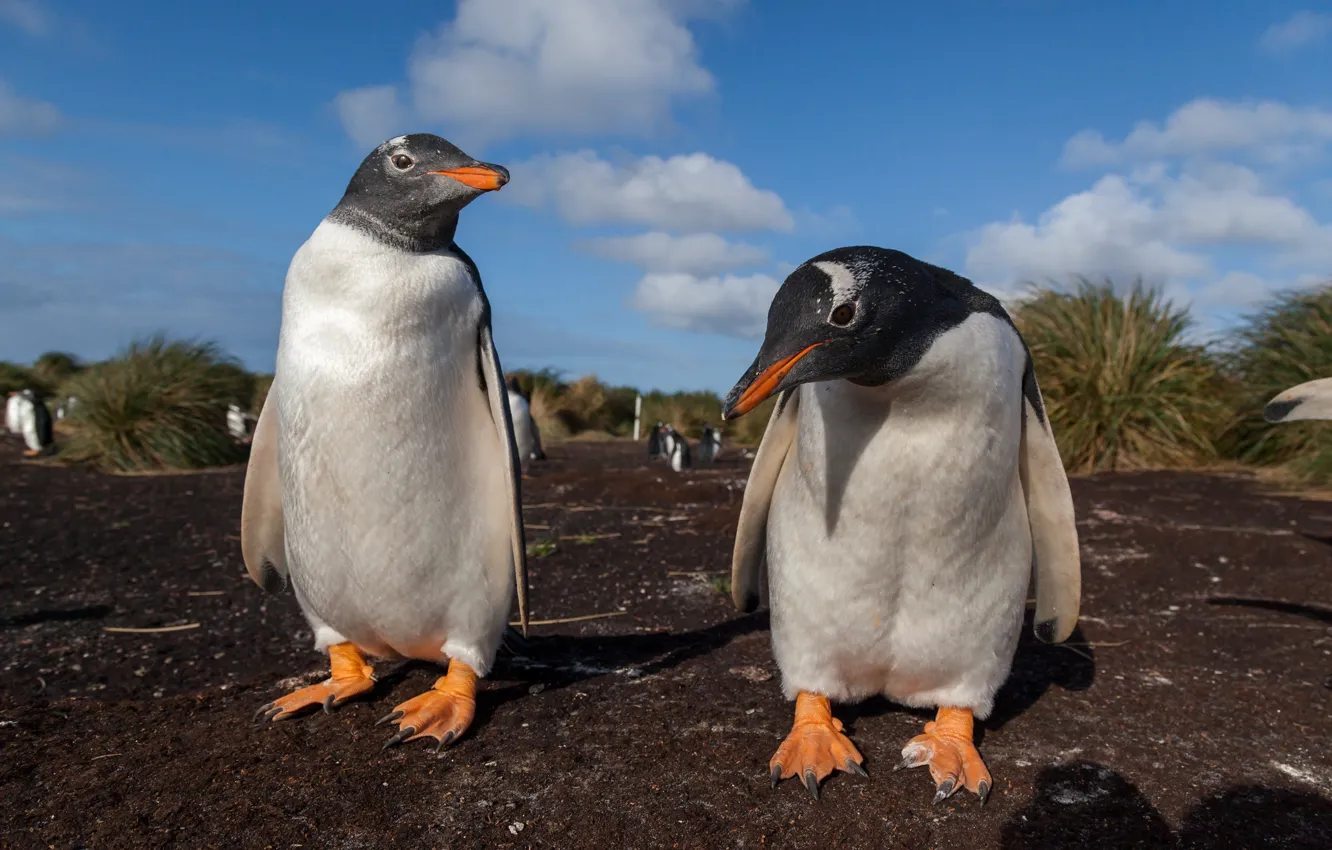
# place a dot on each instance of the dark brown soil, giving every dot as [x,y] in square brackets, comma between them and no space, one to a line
[1194,711]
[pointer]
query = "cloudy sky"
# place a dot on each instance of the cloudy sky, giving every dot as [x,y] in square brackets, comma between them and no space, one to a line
[672,160]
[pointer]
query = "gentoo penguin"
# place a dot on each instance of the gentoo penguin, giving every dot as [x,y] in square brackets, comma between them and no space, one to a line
[679,451]
[525,430]
[35,421]
[710,444]
[906,491]
[383,479]
[236,421]
[12,403]
[655,448]
[1309,400]
[668,441]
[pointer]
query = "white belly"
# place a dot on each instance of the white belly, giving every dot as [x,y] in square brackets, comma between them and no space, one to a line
[898,545]
[396,511]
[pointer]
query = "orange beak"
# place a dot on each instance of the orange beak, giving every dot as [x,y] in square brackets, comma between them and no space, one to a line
[764,384]
[476,176]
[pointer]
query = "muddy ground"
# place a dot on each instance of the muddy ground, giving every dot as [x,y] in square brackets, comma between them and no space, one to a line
[1195,709]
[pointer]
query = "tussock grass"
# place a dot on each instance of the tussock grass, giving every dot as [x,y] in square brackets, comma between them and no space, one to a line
[159,405]
[1123,388]
[1283,344]
[13,378]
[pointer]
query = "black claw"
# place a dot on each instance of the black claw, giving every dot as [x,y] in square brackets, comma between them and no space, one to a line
[328,703]
[905,763]
[776,775]
[401,735]
[812,783]
[263,709]
[945,788]
[983,791]
[388,718]
[446,740]
[855,768]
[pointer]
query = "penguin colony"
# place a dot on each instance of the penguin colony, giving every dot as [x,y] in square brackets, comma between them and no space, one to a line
[906,491]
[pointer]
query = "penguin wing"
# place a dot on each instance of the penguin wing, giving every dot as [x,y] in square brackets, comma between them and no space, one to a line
[751,536]
[263,538]
[493,377]
[1057,565]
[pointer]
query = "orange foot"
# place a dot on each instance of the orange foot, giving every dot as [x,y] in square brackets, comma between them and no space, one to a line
[444,712]
[947,748]
[31,452]
[816,746]
[351,677]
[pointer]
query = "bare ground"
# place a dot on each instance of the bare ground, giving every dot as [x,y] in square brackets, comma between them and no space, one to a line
[1193,709]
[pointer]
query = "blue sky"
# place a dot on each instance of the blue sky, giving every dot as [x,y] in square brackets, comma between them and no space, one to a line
[672,159]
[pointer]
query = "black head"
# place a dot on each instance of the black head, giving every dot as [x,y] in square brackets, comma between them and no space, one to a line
[408,191]
[865,314]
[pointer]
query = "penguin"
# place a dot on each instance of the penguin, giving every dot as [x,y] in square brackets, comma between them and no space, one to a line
[679,451]
[1309,400]
[709,446]
[236,422]
[669,438]
[35,421]
[383,480]
[906,491]
[525,430]
[654,442]
[12,403]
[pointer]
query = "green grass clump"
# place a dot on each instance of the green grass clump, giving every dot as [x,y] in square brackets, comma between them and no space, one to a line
[1285,343]
[1123,388]
[159,405]
[13,378]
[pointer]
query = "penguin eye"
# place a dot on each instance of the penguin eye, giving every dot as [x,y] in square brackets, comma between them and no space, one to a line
[402,161]
[843,315]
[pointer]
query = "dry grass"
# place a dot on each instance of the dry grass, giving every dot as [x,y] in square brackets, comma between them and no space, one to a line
[160,405]
[1122,387]
[1284,344]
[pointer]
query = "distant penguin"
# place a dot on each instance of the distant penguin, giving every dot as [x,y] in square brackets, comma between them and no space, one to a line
[383,477]
[36,423]
[679,452]
[1309,400]
[668,440]
[907,493]
[12,404]
[655,448]
[236,422]
[525,432]
[710,444]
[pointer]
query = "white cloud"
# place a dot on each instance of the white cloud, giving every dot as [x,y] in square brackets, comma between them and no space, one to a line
[1299,30]
[21,116]
[1151,224]
[505,67]
[695,253]
[729,305]
[371,114]
[690,193]
[26,15]
[1273,131]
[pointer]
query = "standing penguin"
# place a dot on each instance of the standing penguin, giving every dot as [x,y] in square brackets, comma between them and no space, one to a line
[906,485]
[35,422]
[668,440]
[679,451]
[236,422]
[525,432]
[12,403]
[383,478]
[1309,400]
[655,448]
[710,444]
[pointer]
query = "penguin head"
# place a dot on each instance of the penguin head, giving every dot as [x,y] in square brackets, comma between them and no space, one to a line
[863,314]
[418,180]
